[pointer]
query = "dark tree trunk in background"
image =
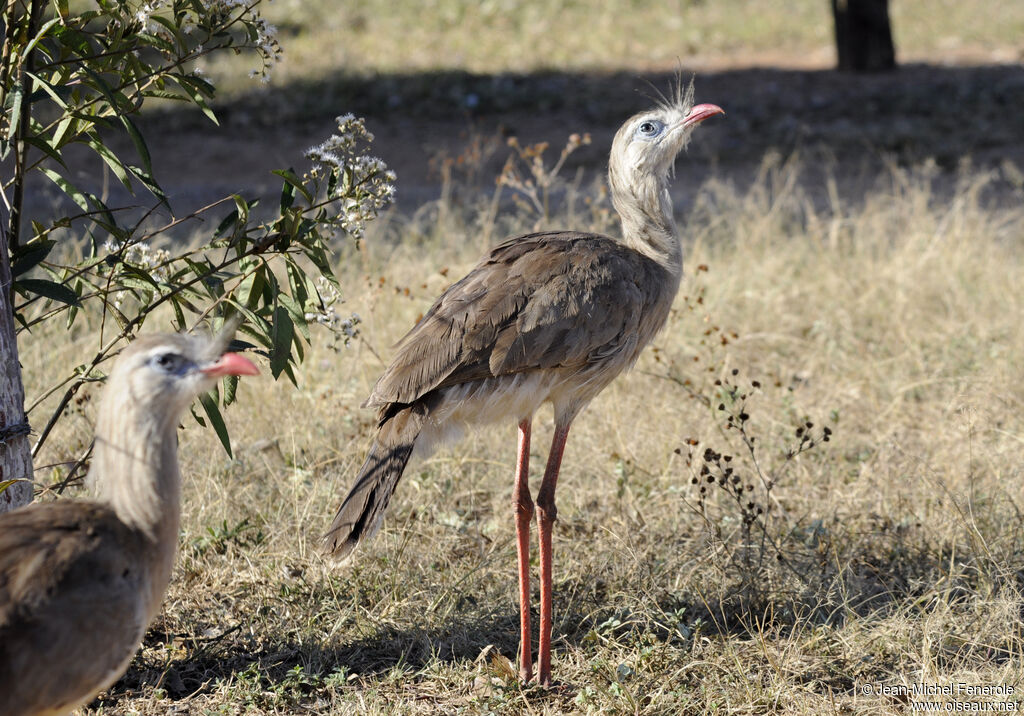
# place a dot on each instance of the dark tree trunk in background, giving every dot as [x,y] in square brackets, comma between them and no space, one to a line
[863,35]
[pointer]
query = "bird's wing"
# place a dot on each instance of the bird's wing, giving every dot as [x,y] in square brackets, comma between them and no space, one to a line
[71,605]
[537,302]
[42,546]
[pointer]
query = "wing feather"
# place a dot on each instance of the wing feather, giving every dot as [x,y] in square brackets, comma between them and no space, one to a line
[537,302]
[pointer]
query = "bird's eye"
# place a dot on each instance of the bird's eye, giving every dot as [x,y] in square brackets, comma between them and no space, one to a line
[169,362]
[649,128]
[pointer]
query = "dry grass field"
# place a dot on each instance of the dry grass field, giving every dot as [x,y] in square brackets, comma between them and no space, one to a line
[891,554]
[714,552]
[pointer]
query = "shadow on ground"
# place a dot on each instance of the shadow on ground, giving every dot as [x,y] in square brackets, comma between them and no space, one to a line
[847,126]
[906,579]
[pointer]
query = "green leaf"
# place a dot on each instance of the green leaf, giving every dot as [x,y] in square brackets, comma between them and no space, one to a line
[150,183]
[297,314]
[73,311]
[48,289]
[254,284]
[297,283]
[287,196]
[260,336]
[227,221]
[44,146]
[230,389]
[28,257]
[292,180]
[216,420]
[47,88]
[111,159]
[179,315]
[117,99]
[140,143]
[17,95]
[165,94]
[281,337]
[68,188]
[194,87]
[39,36]
[254,323]
[62,128]
[318,256]
[135,277]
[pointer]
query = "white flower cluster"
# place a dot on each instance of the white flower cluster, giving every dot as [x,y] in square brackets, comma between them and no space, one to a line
[218,15]
[265,41]
[345,329]
[365,183]
[143,256]
[268,47]
[138,254]
[145,13]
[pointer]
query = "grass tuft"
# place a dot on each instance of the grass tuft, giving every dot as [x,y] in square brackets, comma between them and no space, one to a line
[856,367]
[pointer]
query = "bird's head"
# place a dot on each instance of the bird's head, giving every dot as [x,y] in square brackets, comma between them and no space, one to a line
[647,144]
[162,373]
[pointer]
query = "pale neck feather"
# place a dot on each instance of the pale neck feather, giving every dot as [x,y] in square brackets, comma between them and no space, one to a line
[648,226]
[135,464]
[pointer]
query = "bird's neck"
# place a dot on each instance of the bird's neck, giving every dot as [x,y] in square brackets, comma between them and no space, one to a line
[135,468]
[645,209]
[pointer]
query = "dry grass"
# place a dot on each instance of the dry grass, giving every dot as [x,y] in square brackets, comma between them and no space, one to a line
[894,322]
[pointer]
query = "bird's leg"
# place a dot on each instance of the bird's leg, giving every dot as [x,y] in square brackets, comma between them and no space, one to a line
[524,516]
[546,514]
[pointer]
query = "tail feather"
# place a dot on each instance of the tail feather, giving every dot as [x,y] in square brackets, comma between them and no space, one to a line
[362,511]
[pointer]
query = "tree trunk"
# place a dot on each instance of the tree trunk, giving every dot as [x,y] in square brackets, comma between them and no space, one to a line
[863,35]
[15,452]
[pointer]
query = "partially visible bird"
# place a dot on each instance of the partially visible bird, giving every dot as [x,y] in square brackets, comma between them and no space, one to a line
[551,316]
[81,580]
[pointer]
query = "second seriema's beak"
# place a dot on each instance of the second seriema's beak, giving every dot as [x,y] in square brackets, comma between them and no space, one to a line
[230,364]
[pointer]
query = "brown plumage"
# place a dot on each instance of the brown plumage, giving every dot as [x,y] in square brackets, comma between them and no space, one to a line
[552,316]
[80,581]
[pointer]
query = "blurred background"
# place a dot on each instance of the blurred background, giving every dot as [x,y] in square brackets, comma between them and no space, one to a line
[853,251]
[432,76]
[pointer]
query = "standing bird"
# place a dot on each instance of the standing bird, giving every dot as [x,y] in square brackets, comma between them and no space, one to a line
[80,581]
[551,316]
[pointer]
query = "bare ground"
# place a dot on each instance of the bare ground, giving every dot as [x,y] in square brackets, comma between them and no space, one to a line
[851,126]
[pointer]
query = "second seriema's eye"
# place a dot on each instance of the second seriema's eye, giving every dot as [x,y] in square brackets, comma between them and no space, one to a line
[169,362]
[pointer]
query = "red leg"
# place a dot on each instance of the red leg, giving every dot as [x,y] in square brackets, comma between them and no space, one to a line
[524,516]
[545,520]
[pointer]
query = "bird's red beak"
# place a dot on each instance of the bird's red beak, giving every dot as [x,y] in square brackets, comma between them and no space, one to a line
[231,364]
[701,112]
